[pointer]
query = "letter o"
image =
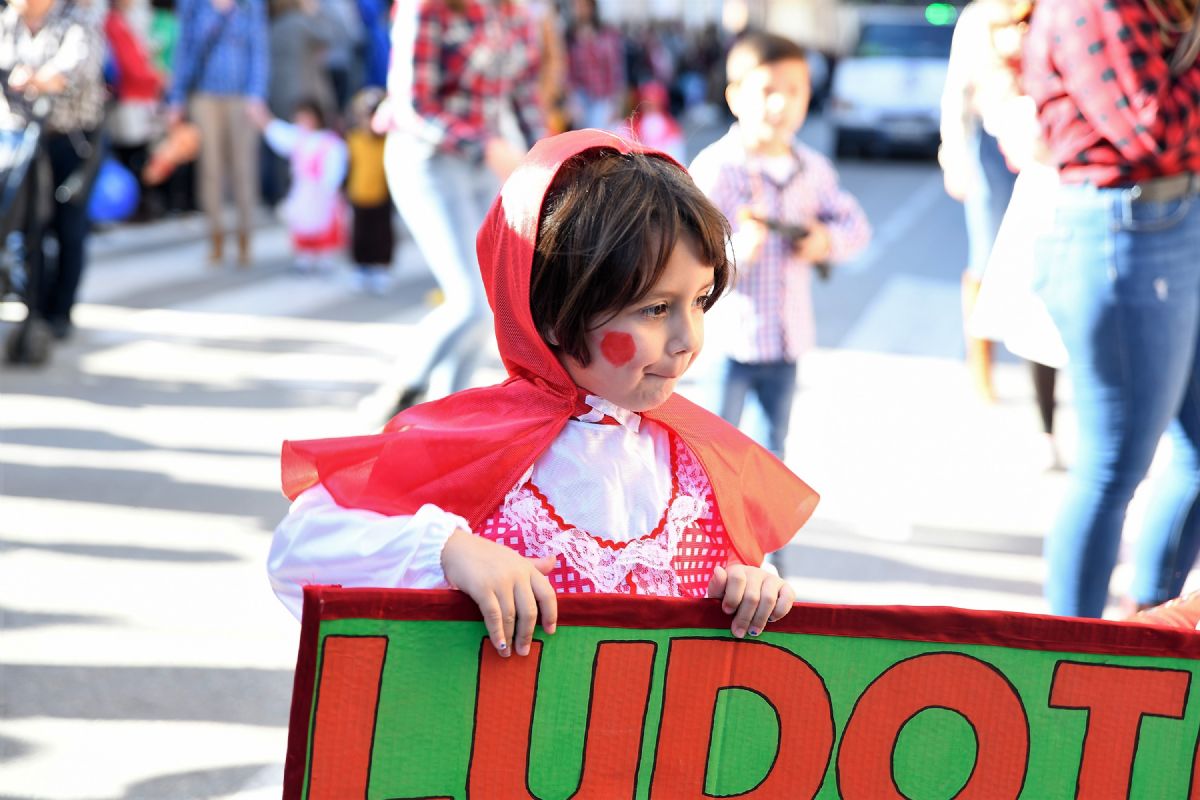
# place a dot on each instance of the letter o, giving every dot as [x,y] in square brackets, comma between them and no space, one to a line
[966,685]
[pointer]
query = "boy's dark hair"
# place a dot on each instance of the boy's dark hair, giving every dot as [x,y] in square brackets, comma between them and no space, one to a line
[608,226]
[312,106]
[758,49]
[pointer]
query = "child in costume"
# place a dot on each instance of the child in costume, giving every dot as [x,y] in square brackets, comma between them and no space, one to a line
[790,219]
[313,208]
[372,237]
[583,471]
[651,122]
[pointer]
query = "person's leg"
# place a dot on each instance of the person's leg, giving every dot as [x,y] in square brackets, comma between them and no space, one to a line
[70,226]
[984,207]
[244,147]
[1044,379]
[205,111]
[434,194]
[776,388]
[735,385]
[1122,309]
[1170,538]
[476,335]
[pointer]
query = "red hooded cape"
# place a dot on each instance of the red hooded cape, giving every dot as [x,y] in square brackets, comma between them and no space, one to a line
[463,453]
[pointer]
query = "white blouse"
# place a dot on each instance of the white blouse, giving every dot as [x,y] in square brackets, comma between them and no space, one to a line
[611,480]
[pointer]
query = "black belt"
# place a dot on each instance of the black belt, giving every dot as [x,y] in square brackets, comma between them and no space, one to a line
[1164,190]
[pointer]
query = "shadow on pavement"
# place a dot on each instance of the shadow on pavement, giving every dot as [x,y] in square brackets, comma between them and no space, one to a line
[124,552]
[198,783]
[83,439]
[134,393]
[140,489]
[11,749]
[977,541]
[13,620]
[241,696]
[810,561]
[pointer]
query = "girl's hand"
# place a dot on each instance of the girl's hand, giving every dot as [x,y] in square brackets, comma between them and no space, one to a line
[753,595]
[509,588]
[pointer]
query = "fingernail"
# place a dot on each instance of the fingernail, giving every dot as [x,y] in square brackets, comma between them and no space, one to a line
[502,648]
[755,631]
[739,633]
[727,609]
[550,628]
[523,649]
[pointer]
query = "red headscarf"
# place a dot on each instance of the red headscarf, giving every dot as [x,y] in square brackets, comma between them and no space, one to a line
[463,453]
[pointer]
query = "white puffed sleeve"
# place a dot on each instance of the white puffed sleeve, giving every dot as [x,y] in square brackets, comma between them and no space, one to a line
[320,542]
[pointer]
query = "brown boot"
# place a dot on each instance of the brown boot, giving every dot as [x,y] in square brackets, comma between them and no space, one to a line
[243,240]
[979,351]
[216,251]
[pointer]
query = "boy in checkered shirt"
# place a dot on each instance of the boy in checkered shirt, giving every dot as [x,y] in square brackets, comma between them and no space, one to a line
[790,218]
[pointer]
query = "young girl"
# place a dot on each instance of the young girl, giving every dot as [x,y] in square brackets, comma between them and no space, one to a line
[372,237]
[583,472]
[313,209]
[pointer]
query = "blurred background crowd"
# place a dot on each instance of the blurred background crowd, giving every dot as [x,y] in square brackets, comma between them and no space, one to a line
[1001,353]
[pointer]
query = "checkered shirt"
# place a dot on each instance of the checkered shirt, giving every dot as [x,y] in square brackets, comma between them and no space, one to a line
[464,70]
[597,63]
[217,55]
[767,315]
[1109,107]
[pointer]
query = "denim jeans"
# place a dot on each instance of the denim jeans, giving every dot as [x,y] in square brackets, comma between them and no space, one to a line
[773,383]
[1122,280]
[443,200]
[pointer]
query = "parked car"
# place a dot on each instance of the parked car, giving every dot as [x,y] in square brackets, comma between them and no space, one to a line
[887,93]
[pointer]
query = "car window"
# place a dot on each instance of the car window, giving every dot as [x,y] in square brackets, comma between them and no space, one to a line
[914,40]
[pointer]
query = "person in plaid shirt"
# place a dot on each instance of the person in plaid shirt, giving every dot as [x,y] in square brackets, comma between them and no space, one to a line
[596,68]
[462,110]
[1118,94]
[789,215]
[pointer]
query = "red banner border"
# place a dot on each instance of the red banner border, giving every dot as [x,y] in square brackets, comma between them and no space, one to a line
[907,623]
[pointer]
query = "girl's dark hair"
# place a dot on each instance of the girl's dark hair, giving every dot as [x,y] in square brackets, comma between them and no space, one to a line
[312,106]
[609,224]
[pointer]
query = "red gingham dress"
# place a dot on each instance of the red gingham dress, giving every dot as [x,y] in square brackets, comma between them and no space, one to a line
[676,559]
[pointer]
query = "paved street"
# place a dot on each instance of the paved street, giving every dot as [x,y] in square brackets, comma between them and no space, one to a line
[142,655]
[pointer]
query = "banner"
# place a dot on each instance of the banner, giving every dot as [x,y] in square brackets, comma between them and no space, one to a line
[399,695]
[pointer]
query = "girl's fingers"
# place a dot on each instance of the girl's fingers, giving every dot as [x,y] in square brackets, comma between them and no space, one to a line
[787,598]
[547,602]
[508,616]
[527,611]
[716,584]
[766,604]
[493,619]
[735,587]
[746,610]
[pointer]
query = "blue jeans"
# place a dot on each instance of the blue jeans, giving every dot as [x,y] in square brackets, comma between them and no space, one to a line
[773,383]
[1122,280]
[443,200]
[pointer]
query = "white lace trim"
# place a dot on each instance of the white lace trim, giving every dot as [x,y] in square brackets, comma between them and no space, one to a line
[647,561]
[602,408]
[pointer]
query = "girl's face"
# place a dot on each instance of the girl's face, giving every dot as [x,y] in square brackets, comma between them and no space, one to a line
[306,119]
[639,355]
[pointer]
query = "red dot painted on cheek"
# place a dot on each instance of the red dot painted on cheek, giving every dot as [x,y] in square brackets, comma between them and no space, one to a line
[617,348]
